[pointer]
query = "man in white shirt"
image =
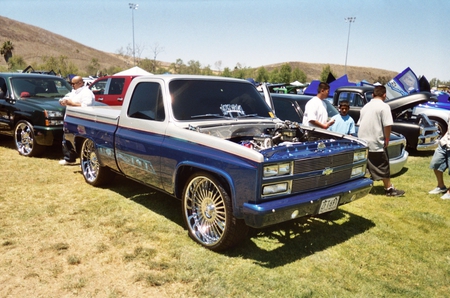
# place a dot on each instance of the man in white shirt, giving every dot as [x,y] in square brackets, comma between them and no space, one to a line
[316,114]
[80,96]
[375,124]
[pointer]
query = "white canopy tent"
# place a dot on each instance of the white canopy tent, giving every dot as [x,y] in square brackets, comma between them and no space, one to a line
[134,71]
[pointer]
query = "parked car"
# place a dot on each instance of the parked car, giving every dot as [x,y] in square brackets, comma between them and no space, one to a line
[30,110]
[110,90]
[438,110]
[291,107]
[420,132]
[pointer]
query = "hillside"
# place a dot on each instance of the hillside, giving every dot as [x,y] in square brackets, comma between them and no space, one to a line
[33,44]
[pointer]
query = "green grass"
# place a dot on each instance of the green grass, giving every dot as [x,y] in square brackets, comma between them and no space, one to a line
[60,237]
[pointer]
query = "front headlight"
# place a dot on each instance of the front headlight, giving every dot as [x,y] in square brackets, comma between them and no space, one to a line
[277,170]
[359,155]
[277,188]
[358,171]
[53,114]
[49,122]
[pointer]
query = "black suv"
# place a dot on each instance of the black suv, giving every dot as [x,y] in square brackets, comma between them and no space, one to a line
[30,110]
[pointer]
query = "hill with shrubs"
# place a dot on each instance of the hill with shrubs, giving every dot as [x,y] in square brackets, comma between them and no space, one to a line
[43,49]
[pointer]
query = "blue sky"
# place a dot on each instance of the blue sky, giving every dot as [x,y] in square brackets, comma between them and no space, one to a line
[387,34]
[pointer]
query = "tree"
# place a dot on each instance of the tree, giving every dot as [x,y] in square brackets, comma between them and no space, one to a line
[178,67]
[285,73]
[326,70]
[275,76]
[262,75]
[299,75]
[16,62]
[60,65]
[206,71]
[193,67]
[6,50]
[218,65]
[93,67]
[227,72]
[156,49]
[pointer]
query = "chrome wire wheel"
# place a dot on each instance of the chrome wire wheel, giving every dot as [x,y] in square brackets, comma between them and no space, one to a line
[24,139]
[205,210]
[93,172]
[89,162]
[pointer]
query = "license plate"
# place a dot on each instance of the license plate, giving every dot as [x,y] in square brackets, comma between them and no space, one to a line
[329,204]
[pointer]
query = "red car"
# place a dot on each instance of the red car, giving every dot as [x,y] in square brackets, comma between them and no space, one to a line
[111,90]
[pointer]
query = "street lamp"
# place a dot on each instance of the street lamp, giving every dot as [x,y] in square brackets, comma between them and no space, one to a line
[350,20]
[133,7]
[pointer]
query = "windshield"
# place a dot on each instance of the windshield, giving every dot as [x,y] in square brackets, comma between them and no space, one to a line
[209,99]
[40,87]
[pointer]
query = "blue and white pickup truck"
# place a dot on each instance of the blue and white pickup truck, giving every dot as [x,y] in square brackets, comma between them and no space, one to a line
[215,144]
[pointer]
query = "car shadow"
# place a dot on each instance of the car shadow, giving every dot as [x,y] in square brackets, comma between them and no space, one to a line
[421,153]
[51,152]
[291,240]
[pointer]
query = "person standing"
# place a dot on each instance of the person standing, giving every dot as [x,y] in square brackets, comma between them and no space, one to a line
[316,114]
[439,163]
[343,123]
[80,96]
[375,124]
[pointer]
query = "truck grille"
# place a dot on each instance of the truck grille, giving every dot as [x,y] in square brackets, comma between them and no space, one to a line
[315,182]
[314,164]
[395,151]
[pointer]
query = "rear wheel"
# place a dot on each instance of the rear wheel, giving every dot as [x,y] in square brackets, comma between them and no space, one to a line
[208,214]
[93,172]
[25,141]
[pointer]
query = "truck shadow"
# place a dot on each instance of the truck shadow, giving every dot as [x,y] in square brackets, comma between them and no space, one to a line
[291,241]
[269,247]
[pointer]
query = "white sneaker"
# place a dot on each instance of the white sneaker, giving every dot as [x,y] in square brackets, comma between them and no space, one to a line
[446,196]
[438,190]
[64,162]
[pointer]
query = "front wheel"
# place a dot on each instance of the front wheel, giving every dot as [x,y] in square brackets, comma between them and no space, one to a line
[25,141]
[93,172]
[208,215]
[441,125]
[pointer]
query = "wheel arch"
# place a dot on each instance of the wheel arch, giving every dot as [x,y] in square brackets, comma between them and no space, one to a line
[186,169]
[442,124]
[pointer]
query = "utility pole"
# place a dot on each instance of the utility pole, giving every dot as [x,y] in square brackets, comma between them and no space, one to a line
[350,20]
[133,7]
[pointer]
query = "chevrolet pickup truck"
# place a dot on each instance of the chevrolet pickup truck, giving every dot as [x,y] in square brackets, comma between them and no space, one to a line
[215,144]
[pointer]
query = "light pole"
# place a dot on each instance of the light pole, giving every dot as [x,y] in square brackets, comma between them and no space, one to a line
[350,20]
[133,7]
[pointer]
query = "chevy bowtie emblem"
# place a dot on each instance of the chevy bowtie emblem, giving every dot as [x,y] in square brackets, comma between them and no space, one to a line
[327,171]
[321,146]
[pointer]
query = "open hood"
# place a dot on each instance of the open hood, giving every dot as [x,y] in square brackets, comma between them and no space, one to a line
[402,103]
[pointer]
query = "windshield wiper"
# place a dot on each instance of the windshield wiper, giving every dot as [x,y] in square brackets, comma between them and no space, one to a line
[208,115]
[250,115]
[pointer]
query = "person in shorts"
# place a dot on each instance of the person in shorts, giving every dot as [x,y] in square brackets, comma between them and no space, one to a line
[439,163]
[375,124]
